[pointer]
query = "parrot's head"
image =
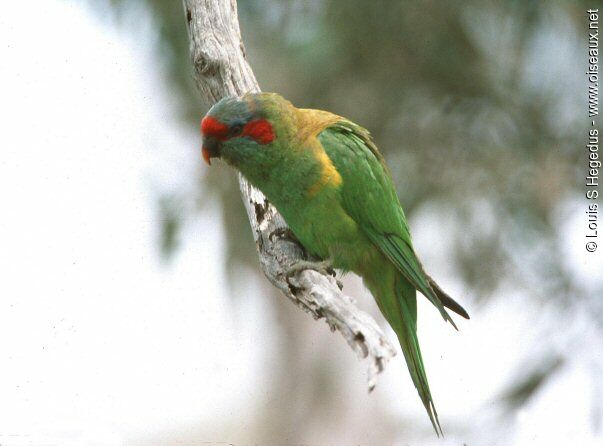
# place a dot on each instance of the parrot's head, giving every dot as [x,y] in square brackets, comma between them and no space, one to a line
[242,131]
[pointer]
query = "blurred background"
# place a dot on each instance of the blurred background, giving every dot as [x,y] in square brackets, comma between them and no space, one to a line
[132,307]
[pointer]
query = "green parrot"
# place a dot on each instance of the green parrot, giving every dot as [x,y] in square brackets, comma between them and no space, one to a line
[326,177]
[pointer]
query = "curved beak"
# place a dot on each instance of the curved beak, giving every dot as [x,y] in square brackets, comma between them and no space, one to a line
[211,149]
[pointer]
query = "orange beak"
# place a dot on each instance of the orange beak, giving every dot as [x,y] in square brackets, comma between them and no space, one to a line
[211,149]
[206,155]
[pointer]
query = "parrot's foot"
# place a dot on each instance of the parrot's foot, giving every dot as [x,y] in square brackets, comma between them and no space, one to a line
[323,267]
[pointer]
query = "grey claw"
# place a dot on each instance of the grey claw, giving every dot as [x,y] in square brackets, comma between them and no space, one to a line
[324,267]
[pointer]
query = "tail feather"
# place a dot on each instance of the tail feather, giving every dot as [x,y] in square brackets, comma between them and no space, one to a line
[397,300]
[446,300]
[398,303]
[406,329]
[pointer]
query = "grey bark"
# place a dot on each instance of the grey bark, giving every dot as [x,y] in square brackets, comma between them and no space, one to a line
[221,70]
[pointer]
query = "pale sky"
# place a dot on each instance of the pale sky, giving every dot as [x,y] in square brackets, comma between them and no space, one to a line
[100,342]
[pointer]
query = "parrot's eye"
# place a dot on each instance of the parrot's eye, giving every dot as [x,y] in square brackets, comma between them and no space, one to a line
[235,129]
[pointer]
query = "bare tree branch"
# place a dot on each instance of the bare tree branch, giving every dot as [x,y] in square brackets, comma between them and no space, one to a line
[221,70]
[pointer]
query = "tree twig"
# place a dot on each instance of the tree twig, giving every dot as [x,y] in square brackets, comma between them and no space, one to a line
[221,70]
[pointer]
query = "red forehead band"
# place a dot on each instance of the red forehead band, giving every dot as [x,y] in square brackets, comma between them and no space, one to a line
[259,130]
[210,126]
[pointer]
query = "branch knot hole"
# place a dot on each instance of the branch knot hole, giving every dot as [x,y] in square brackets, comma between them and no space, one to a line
[206,65]
[260,211]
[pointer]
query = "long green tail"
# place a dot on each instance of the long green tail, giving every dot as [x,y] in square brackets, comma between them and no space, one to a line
[400,309]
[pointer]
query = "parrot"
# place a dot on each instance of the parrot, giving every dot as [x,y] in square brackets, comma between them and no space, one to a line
[326,177]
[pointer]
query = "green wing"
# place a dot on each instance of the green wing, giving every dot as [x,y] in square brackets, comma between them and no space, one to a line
[370,198]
